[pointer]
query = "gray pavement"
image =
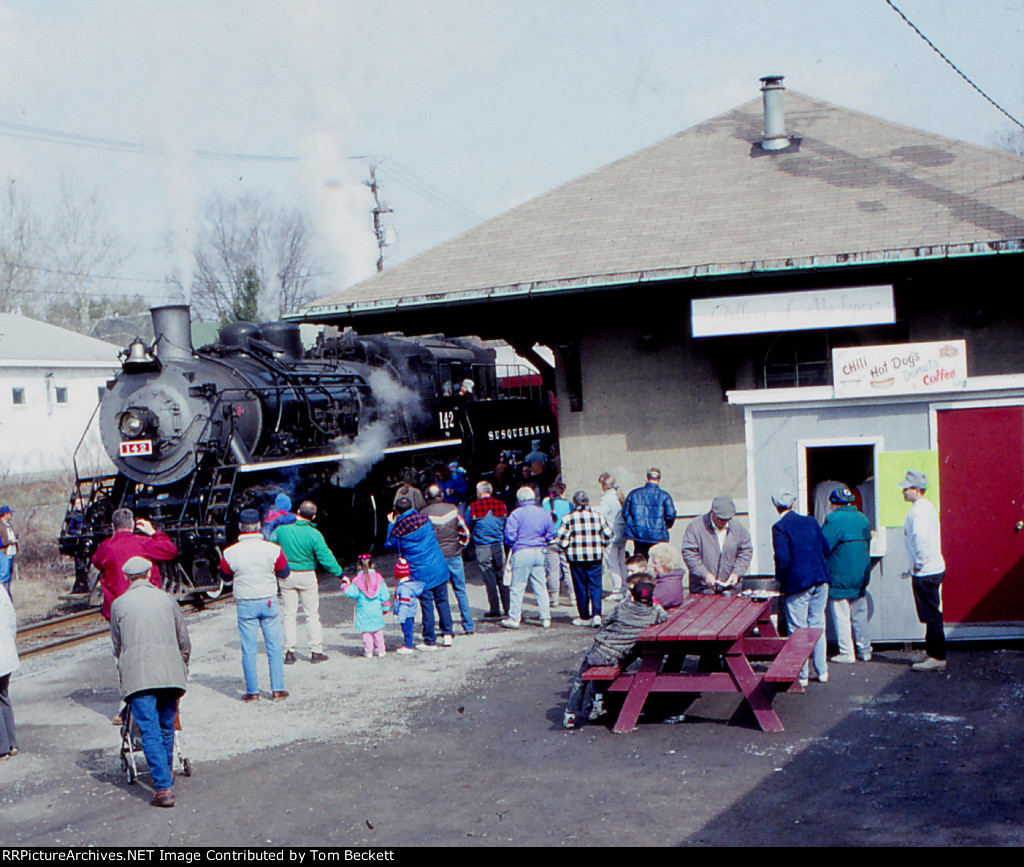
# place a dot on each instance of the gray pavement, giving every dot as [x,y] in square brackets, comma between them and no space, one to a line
[464,748]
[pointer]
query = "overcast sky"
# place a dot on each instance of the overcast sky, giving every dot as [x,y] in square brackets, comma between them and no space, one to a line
[468,106]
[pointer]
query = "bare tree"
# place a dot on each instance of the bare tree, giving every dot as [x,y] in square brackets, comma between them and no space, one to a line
[18,239]
[1011,140]
[247,242]
[82,260]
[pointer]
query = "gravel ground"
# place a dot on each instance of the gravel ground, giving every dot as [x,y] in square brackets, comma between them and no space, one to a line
[463,747]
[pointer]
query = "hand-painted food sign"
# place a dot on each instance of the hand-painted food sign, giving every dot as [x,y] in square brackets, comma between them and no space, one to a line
[899,369]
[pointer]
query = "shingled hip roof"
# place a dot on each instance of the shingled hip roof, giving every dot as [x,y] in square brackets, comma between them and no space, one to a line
[850,189]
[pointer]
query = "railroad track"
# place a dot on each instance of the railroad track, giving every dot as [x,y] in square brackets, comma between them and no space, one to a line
[69,629]
[63,631]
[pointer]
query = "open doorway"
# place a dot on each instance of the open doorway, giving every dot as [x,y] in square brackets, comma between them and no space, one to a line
[854,463]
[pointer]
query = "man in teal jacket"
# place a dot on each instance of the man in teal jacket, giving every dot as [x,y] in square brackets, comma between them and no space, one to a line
[848,534]
[305,549]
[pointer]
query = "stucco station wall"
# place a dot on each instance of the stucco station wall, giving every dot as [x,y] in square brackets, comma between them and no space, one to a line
[652,402]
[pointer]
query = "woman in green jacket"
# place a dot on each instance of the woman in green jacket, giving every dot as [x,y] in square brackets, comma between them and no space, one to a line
[848,534]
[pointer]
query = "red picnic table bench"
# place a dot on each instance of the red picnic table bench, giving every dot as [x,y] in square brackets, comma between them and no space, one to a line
[737,629]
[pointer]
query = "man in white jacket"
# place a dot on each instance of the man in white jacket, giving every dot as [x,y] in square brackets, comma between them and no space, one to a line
[927,568]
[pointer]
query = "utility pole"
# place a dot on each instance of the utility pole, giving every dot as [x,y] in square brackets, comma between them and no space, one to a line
[378,210]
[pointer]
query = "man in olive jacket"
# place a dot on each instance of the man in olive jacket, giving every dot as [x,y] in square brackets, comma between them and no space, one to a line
[152,648]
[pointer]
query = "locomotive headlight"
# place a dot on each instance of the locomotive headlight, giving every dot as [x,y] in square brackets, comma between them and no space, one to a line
[132,424]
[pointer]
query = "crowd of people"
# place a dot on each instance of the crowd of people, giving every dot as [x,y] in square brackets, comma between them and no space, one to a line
[543,543]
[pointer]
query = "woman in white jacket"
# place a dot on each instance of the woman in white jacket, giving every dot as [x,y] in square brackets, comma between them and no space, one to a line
[8,665]
[610,508]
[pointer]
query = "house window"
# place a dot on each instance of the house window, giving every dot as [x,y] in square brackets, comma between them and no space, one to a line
[18,396]
[61,394]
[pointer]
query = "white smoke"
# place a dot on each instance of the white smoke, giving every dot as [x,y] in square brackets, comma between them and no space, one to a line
[394,400]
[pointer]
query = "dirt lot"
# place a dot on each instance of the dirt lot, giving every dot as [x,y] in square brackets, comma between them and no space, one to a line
[464,748]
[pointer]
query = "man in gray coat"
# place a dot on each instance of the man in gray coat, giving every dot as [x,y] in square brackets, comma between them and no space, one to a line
[151,645]
[717,549]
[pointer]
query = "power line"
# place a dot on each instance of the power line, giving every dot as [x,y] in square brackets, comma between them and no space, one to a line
[72,139]
[952,65]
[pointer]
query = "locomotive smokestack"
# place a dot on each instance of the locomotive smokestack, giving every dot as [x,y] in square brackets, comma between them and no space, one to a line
[173,331]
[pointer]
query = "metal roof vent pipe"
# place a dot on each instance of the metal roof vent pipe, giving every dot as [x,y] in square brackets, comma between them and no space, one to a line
[772,93]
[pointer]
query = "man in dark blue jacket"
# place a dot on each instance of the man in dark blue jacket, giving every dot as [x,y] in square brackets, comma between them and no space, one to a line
[801,569]
[412,536]
[649,514]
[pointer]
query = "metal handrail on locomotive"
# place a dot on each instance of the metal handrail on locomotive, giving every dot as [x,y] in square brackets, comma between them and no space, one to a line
[197,435]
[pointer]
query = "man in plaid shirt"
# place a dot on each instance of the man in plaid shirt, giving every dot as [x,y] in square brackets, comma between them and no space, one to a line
[584,534]
[487,521]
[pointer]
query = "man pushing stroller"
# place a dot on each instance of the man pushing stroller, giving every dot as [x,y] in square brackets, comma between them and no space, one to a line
[152,647]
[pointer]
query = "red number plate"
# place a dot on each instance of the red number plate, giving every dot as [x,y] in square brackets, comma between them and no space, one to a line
[136,447]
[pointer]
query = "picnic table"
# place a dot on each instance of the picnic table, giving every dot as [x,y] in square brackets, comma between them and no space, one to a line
[735,629]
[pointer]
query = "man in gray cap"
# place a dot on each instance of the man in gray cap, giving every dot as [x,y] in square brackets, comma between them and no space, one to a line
[152,648]
[717,549]
[926,568]
[802,572]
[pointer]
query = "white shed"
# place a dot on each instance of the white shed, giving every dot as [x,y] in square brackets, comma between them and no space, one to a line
[51,380]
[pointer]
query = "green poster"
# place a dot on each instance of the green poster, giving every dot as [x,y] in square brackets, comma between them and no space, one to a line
[892,468]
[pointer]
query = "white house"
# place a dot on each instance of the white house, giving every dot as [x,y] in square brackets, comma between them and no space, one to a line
[51,380]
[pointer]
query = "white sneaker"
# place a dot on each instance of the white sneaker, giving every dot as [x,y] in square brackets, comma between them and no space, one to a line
[843,659]
[930,664]
[546,624]
[446,641]
[823,678]
[865,656]
[427,647]
[579,621]
[804,682]
[404,650]
[509,624]
[595,621]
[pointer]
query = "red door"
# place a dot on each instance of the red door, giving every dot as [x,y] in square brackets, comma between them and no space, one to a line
[981,473]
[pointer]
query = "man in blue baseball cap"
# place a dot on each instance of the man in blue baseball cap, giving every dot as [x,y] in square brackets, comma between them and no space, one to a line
[8,547]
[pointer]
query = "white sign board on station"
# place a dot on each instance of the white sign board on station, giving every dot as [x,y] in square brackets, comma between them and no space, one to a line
[904,368]
[792,311]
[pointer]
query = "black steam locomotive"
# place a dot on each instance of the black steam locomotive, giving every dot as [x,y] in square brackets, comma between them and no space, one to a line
[197,435]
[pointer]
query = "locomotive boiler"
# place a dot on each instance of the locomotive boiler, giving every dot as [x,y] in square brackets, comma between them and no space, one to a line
[197,435]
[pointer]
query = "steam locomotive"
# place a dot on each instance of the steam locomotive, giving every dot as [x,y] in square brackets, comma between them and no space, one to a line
[197,435]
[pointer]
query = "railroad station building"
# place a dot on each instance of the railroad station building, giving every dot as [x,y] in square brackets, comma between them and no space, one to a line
[787,294]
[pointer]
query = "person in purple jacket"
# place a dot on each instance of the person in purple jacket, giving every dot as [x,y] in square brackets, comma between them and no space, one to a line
[528,532]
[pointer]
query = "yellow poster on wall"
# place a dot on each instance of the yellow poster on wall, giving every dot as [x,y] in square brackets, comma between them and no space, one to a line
[892,469]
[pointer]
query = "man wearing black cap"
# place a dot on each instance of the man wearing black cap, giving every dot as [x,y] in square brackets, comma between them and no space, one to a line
[927,568]
[152,648]
[254,565]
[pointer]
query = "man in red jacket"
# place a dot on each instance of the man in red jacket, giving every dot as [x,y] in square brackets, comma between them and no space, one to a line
[131,539]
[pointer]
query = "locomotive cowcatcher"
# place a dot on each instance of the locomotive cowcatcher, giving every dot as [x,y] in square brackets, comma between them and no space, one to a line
[197,435]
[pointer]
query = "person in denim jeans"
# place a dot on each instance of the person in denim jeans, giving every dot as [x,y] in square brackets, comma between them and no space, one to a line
[802,572]
[254,565]
[528,532]
[452,535]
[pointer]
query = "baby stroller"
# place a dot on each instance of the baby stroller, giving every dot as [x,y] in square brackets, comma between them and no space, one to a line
[131,744]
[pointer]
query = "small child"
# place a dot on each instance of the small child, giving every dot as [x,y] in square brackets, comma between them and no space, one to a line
[373,600]
[614,642]
[635,564]
[280,513]
[406,592]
